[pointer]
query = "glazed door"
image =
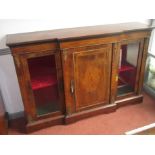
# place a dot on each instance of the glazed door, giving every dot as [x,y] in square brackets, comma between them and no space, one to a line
[89,82]
[127,59]
[43,79]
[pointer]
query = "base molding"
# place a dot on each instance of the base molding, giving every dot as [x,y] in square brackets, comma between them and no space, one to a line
[129,101]
[89,113]
[40,124]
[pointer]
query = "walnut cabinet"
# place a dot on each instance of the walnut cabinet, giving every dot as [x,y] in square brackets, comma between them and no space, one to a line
[69,74]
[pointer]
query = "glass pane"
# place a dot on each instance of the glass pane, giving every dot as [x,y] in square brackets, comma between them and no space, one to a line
[127,68]
[44,84]
[150,81]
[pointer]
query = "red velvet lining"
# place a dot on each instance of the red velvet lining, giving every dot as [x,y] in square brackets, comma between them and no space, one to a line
[44,80]
[126,67]
[42,72]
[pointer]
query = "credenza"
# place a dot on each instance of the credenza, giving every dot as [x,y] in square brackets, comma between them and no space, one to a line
[69,74]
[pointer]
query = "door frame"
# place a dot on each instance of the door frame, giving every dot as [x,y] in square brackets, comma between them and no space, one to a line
[115,71]
[28,96]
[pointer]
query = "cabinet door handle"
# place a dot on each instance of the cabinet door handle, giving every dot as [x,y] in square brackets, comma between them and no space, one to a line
[72,86]
[116,78]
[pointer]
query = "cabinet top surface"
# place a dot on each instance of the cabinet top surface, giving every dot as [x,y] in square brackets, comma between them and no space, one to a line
[74,33]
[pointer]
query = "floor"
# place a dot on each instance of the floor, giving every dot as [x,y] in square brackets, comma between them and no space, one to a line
[117,123]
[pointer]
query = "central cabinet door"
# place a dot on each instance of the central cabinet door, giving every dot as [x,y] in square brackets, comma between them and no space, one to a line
[91,77]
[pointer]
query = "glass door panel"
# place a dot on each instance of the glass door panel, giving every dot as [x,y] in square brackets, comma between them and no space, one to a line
[127,68]
[44,83]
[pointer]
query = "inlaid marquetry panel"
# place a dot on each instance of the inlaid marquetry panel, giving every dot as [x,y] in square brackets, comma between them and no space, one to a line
[92,77]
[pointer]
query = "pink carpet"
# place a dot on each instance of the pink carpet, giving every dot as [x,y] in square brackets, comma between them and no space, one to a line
[116,123]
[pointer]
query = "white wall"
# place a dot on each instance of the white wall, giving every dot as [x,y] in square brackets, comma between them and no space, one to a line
[9,85]
[8,78]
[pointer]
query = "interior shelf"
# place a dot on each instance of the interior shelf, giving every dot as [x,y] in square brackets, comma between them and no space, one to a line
[43,81]
[43,78]
[126,67]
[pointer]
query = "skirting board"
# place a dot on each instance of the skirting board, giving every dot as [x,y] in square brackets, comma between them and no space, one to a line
[17,121]
[16,115]
[3,125]
[146,130]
